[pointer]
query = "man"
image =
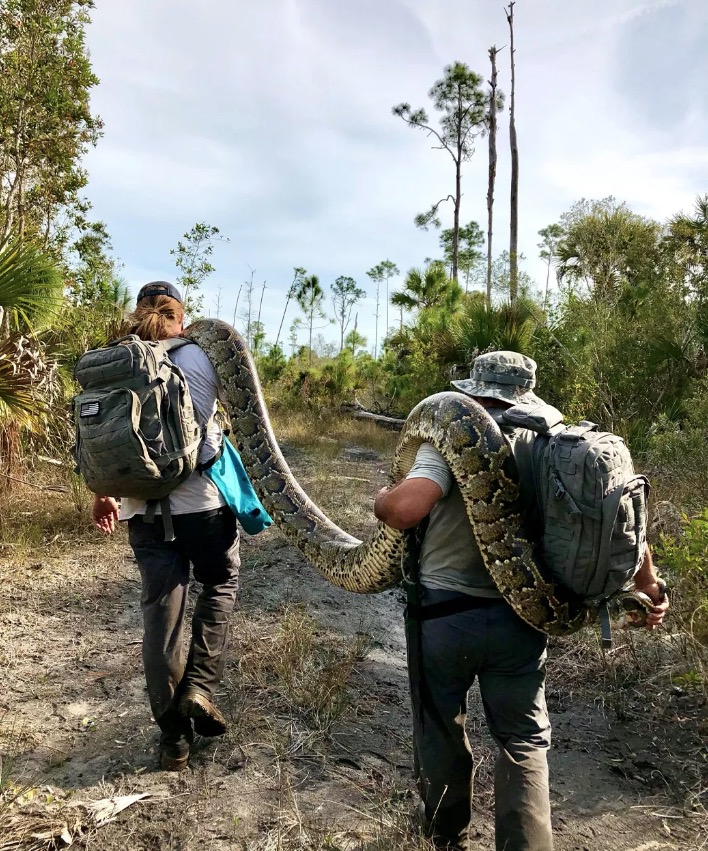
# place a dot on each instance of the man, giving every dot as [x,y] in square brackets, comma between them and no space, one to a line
[476,634]
[181,689]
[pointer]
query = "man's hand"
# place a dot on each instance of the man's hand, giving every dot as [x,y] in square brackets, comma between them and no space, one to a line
[657,593]
[406,504]
[105,513]
[646,581]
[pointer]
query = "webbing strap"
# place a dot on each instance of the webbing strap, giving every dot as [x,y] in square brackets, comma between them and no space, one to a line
[610,509]
[605,628]
[149,516]
[210,463]
[182,453]
[173,343]
[167,518]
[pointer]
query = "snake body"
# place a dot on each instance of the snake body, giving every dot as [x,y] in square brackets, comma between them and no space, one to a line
[465,435]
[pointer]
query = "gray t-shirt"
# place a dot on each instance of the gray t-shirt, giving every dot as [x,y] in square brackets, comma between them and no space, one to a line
[450,558]
[198,492]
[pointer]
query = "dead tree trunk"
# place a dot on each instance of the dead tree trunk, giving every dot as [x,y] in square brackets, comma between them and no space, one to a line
[492,134]
[514,198]
[456,220]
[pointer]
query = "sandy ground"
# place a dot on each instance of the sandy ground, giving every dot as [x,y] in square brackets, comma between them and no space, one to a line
[628,764]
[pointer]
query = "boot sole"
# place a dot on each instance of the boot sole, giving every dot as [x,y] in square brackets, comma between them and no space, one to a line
[208,721]
[173,763]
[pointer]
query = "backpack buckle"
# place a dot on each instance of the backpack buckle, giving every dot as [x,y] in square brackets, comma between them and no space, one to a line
[560,490]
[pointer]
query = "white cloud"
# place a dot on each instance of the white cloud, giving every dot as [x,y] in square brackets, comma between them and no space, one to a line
[273,122]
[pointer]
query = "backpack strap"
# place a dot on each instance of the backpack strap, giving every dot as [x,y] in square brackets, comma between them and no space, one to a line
[173,343]
[149,516]
[603,614]
[214,458]
[578,432]
[542,418]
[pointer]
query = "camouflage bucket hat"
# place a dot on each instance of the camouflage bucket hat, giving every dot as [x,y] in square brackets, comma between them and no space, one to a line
[508,376]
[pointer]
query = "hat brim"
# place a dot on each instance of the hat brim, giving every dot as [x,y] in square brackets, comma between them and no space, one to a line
[511,393]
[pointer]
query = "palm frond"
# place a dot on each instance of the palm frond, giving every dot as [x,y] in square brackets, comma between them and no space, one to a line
[31,286]
[28,382]
[480,328]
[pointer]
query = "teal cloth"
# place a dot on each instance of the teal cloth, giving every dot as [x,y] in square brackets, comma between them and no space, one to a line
[230,477]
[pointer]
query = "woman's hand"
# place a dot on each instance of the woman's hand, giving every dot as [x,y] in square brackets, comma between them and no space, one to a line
[104,513]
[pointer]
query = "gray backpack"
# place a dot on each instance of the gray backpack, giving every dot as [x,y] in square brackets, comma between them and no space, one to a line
[594,506]
[136,431]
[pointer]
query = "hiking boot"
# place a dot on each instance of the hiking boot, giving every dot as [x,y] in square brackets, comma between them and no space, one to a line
[208,720]
[176,738]
[174,756]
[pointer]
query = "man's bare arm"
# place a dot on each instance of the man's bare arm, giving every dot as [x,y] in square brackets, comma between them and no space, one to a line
[647,581]
[406,504]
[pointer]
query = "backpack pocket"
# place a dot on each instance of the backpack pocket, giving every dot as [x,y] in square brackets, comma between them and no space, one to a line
[105,367]
[112,456]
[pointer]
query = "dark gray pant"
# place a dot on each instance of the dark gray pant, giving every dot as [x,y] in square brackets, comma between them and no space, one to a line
[209,540]
[494,645]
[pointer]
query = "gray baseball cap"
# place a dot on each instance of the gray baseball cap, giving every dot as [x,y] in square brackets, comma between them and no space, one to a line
[508,376]
[159,288]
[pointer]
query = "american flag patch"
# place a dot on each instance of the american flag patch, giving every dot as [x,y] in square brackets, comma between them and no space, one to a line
[88,409]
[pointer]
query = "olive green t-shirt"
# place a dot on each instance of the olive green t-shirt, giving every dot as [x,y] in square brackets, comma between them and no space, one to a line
[450,558]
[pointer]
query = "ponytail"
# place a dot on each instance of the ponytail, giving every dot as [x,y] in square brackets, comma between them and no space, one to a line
[154,317]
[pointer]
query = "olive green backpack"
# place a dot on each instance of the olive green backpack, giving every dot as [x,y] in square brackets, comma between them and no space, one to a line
[136,430]
[594,505]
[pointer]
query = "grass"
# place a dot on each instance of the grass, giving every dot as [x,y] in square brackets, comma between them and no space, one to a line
[296,678]
[646,687]
[329,431]
[295,684]
[386,813]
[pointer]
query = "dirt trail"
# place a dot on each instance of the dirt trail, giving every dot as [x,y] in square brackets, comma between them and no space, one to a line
[75,724]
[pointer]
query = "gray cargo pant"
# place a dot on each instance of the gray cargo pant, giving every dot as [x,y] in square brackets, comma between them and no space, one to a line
[490,643]
[210,541]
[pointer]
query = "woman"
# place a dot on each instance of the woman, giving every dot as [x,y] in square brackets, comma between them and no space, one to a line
[181,692]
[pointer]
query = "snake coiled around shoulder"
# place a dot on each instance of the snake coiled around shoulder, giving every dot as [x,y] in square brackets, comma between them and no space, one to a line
[465,435]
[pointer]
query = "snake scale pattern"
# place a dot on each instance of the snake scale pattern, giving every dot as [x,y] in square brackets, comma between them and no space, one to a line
[461,430]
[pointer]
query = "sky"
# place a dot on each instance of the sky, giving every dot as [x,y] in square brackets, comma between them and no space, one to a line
[272,121]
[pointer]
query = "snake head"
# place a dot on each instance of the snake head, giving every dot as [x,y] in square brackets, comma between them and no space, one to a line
[632,609]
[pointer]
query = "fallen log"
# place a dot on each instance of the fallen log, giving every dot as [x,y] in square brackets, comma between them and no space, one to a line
[386,422]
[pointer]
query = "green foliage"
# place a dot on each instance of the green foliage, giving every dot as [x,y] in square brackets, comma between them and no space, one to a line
[685,559]
[470,241]
[382,274]
[31,286]
[676,452]
[355,342]
[30,300]
[427,288]
[345,294]
[479,328]
[459,98]
[98,299]
[501,279]
[606,248]
[309,296]
[46,123]
[548,247]
[685,248]
[320,383]
[298,274]
[192,259]
[272,365]
[416,362]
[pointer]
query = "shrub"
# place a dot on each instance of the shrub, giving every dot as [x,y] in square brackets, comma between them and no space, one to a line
[686,560]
